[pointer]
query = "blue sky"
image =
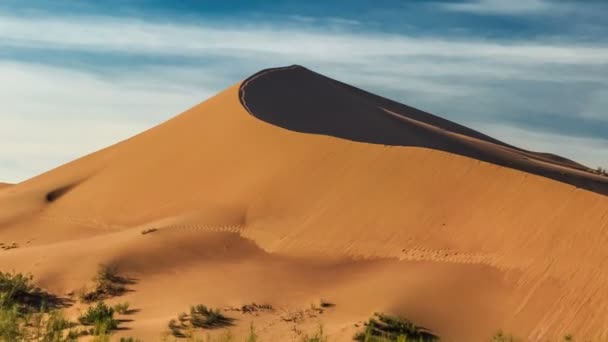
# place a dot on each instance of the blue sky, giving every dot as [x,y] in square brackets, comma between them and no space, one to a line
[77,76]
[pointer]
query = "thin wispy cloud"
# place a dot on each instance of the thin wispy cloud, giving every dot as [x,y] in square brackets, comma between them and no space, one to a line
[135,73]
[135,36]
[509,7]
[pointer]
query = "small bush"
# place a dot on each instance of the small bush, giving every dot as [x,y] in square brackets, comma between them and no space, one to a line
[16,288]
[129,339]
[500,336]
[56,324]
[389,328]
[10,327]
[101,317]
[108,283]
[175,329]
[204,317]
[122,308]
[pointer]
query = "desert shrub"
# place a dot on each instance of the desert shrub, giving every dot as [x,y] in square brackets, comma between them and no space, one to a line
[175,329]
[129,339]
[56,324]
[101,317]
[318,336]
[23,312]
[108,283]
[16,288]
[10,327]
[204,317]
[500,336]
[384,327]
[122,308]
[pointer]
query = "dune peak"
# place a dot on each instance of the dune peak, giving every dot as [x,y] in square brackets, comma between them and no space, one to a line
[301,100]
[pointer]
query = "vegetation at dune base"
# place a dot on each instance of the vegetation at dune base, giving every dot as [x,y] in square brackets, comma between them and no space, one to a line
[122,308]
[108,283]
[200,317]
[29,314]
[25,313]
[386,328]
[101,319]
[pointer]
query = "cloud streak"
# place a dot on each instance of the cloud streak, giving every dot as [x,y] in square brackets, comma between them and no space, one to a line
[134,36]
[510,7]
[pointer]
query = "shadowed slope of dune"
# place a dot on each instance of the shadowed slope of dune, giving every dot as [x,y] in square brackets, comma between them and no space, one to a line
[304,101]
[238,210]
[4,185]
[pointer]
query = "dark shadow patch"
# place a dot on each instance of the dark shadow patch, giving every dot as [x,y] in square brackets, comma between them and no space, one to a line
[300,100]
[131,312]
[54,195]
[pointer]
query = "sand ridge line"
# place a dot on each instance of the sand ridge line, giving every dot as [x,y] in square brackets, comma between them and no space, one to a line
[532,157]
[255,76]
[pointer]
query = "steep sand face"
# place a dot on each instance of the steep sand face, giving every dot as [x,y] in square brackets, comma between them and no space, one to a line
[301,100]
[246,211]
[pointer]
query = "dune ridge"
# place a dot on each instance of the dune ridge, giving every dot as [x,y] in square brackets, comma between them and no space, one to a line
[301,100]
[243,210]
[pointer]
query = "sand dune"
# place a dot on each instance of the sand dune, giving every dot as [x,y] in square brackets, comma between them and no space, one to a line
[382,208]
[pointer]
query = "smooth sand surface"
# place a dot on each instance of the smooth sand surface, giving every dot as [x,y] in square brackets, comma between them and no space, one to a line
[249,211]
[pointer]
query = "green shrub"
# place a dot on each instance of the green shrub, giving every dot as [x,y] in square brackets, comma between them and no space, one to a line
[175,329]
[108,283]
[129,339]
[10,327]
[500,336]
[101,317]
[204,317]
[122,308]
[387,328]
[56,324]
[16,288]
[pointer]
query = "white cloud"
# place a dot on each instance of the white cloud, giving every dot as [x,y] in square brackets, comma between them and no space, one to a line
[51,115]
[510,7]
[32,146]
[139,37]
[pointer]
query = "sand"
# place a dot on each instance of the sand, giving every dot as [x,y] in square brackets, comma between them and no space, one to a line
[261,195]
